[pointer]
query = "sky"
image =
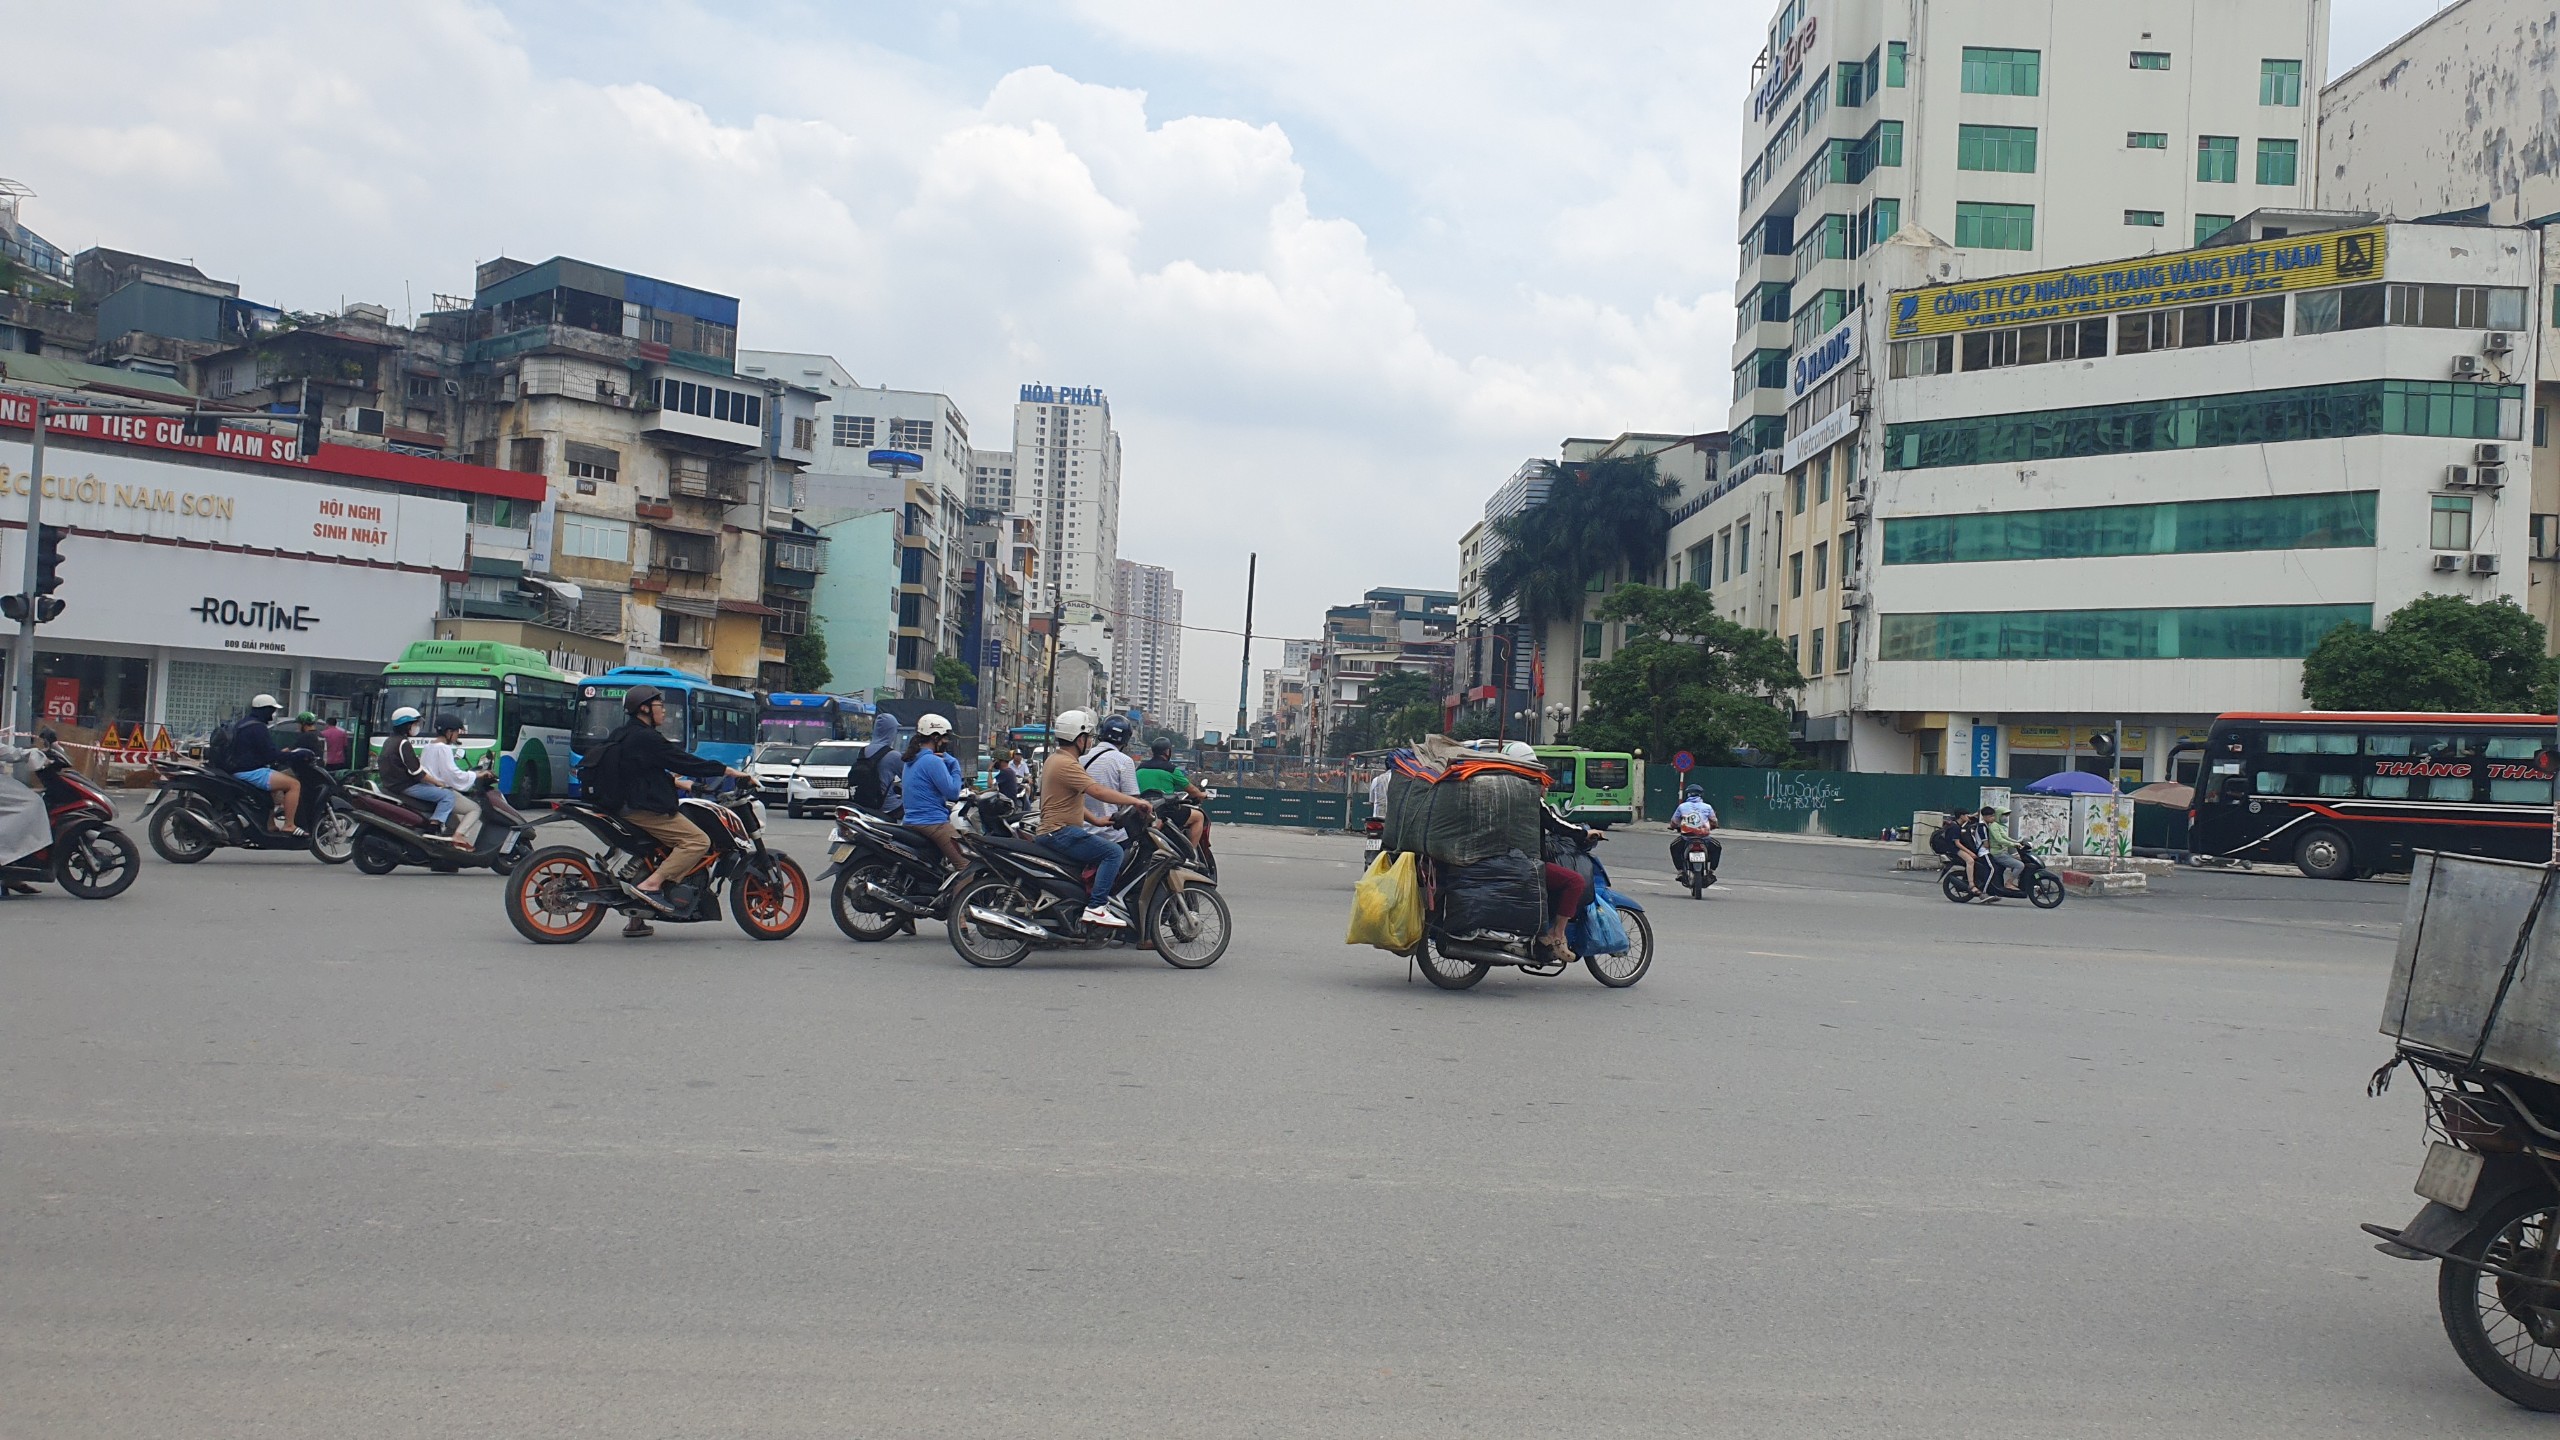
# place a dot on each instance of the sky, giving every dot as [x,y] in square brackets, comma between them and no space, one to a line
[1340,267]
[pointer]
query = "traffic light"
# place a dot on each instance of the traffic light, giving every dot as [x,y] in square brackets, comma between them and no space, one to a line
[48,609]
[200,426]
[13,607]
[2101,743]
[307,443]
[48,559]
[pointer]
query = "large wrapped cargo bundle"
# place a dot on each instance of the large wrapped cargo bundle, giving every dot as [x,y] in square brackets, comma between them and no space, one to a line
[1408,812]
[1503,895]
[1476,816]
[2479,964]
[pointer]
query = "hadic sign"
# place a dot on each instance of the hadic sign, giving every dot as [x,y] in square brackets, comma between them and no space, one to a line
[1815,364]
[1063,395]
[2227,272]
[139,497]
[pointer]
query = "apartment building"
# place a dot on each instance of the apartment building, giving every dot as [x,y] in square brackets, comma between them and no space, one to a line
[1147,640]
[1067,479]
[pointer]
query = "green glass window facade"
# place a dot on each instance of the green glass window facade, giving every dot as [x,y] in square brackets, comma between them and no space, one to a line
[2337,521]
[2208,226]
[2218,159]
[1827,238]
[2146,139]
[1825,309]
[1764,369]
[2007,148]
[2450,408]
[1981,225]
[2280,82]
[2235,632]
[2150,218]
[1894,53]
[2001,72]
[1879,148]
[1852,83]
[2278,161]
[1760,432]
[1878,222]
[2150,59]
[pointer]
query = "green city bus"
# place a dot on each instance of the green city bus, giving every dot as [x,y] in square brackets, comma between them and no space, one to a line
[1595,787]
[511,701]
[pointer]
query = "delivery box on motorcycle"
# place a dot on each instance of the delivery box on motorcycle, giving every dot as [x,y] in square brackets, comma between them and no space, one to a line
[2479,963]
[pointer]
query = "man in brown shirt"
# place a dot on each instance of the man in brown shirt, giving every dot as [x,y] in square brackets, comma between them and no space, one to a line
[1064,787]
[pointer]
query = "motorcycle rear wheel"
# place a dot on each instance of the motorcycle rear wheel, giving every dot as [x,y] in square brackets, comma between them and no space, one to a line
[1951,881]
[1446,971]
[96,861]
[858,923]
[182,834]
[2048,891]
[2517,1355]
[982,946]
[333,835]
[537,901]
[376,853]
[1620,971]
[1204,911]
[770,910]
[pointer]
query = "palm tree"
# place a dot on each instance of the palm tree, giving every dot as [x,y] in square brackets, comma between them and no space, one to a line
[1599,516]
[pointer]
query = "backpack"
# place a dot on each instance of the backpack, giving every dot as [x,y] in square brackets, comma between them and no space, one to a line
[1943,841]
[600,779]
[868,793]
[218,746]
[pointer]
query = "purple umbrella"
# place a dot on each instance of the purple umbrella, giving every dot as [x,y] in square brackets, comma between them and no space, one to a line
[2071,782]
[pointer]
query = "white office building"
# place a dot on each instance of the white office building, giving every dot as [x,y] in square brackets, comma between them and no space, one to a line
[2134,494]
[1146,672]
[2016,133]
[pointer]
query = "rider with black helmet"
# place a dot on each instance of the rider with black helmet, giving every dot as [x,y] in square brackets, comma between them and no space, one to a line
[641,767]
[1110,763]
[440,760]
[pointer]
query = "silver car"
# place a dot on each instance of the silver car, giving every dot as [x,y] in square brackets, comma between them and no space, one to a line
[773,764]
[824,779]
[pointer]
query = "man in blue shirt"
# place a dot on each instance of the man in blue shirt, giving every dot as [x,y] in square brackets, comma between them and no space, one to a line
[254,758]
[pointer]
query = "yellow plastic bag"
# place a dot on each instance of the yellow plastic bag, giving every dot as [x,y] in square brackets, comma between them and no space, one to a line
[1386,906]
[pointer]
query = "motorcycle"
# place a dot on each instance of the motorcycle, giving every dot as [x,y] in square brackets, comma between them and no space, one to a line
[198,810]
[1020,896]
[2038,883]
[391,832]
[887,877]
[2492,1219]
[1455,961]
[559,894]
[88,857]
[1373,833]
[1697,870]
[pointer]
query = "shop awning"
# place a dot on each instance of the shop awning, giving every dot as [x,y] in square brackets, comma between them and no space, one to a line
[681,527]
[561,588]
[687,605]
[746,607]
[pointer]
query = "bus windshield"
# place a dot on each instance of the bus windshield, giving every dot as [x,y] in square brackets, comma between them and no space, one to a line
[471,699]
[601,714]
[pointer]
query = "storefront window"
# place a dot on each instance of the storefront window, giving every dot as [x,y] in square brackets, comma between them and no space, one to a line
[99,689]
[203,695]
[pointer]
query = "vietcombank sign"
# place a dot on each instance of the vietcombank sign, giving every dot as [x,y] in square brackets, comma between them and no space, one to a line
[2190,277]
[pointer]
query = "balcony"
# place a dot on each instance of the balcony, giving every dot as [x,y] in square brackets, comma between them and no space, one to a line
[658,422]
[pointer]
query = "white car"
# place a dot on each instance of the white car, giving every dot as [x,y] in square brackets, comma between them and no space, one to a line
[824,779]
[773,764]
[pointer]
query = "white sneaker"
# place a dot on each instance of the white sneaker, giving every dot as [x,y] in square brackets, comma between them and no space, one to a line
[1100,915]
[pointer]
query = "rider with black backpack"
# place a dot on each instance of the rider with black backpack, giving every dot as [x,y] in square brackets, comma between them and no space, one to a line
[878,781]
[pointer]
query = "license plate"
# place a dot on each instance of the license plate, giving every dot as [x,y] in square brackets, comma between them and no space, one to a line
[839,853]
[2450,1175]
[1698,855]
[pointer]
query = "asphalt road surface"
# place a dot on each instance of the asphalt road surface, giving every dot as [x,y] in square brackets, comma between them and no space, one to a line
[286,1151]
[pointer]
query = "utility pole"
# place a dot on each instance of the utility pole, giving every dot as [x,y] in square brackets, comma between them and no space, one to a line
[1057,619]
[1244,669]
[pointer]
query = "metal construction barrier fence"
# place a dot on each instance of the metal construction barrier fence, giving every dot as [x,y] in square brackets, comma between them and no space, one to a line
[1312,809]
[1814,802]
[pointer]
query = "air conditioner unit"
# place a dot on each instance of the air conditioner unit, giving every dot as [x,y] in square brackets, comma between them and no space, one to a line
[2484,564]
[2448,562]
[2457,477]
[364,421]
[685,562]
[2466,367]
[1853,599]
[2489,452]
[2489,477]
[2499,342]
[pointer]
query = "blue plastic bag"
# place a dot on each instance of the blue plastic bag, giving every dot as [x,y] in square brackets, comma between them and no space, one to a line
[1597,930]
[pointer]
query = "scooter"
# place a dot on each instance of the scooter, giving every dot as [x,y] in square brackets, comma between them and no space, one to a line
[89,857]
[391,832]
[2038,884]
[887,877]
[1020,896]
[1374,839]
[1697,868]
[198,810]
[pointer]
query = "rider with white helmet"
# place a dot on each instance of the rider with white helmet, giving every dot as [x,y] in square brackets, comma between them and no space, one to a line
[403,769]
[1066,789]
[932,784]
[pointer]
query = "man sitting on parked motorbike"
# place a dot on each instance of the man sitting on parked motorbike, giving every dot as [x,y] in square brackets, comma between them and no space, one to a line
[932,783]
[644,765]
[2000,850]
[255,758]
[441,759]
[1066,788]
[1694,818]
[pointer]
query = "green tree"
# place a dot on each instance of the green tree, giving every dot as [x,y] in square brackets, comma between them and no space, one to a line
[1599,516]
[1687,679]
[1397,709]
[806,656]
[953,680]
[2436,653]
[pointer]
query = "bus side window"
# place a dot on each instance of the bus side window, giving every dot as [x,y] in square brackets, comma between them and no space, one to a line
[2520,792]
[2271,782]
[2386,787]
[2450,787]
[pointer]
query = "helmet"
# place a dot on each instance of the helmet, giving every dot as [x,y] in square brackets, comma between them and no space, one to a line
[1071,726]
[405,715]
[929,726]
[1696,792]
[1519,750]
[308,718]
[639,696]
[448,722]
[1117,729]
[265,702]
